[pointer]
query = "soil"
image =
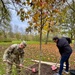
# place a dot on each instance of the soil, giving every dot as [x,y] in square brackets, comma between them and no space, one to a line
[45,70]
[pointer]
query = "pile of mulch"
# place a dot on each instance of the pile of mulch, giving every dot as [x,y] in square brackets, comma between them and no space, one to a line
[45,70]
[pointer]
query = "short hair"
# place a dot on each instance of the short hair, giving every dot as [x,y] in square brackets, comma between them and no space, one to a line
[24,43]
[55,38]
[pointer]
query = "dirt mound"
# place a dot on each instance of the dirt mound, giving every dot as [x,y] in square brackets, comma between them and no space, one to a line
[45,70]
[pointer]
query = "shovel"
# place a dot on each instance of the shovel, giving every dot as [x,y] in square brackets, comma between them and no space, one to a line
[31,69]
[54,67]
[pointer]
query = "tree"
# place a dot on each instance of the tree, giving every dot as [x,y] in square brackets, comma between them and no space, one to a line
[40,17]
[4,18]
[43,11]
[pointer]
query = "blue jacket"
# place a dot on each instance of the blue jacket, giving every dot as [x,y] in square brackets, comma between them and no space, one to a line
[63,46]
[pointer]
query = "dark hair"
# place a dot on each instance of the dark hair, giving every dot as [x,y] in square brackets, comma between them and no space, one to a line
[55,38]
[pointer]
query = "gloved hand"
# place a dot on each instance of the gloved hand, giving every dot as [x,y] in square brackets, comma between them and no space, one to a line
[21,65]
[7,61]
[4,60]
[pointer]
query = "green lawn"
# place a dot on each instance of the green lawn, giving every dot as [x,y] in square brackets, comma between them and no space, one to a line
[32,52]
[13,42]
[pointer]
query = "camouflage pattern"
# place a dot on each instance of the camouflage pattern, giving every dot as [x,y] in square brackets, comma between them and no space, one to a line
[15,55]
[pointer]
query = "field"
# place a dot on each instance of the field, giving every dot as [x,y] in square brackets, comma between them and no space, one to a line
[49,53]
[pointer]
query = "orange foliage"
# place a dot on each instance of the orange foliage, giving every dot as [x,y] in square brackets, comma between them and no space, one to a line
[56,10]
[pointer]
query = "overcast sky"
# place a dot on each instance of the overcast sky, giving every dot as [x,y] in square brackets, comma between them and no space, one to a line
[16,21]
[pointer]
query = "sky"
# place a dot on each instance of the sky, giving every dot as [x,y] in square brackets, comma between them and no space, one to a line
[15,20]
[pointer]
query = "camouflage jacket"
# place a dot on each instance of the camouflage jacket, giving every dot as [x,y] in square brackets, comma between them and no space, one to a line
[14,54]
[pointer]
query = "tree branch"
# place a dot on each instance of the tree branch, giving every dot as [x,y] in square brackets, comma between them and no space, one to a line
[70,6]
[3,4]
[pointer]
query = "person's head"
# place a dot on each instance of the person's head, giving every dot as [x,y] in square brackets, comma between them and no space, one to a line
[55,39]
[23,44]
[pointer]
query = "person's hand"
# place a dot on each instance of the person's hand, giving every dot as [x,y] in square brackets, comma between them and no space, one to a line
[7,61]
[4,60]
[20,65]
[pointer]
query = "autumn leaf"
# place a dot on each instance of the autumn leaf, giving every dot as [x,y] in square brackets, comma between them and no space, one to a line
[29,12]
[17,1]
[22,18]
[30,23]
[27,17]
[52,23]
[64,1]
[28,2]
[18,12]
[46,26]
[55,10]
[37,24]
[24,3]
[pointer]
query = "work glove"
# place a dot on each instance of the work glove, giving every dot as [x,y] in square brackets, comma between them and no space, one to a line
[21,65]
[7,61]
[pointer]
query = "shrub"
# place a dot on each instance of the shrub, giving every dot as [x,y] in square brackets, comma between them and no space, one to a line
[5,40]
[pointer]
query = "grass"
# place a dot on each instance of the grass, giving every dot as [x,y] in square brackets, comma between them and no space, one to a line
[49,53]
[17,42]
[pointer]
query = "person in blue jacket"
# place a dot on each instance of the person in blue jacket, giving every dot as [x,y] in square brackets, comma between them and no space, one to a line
[65,51]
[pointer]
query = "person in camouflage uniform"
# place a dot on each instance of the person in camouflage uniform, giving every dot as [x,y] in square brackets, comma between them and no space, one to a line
[14,54]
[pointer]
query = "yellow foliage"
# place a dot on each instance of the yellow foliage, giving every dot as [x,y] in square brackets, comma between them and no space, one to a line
[46,26]
[22,18]
[48,58]
[30,24]
[43,5]
[51,6]
[37,24]
[64,1]
[17,1]
[27,17]
[36,17]
[48,19]
[62,20]
[55,10]
[44,31]
[38,3]
[28,2]
[22,11]
[57,23]
[33,0]
[52,23]
[29,12]
[18,12]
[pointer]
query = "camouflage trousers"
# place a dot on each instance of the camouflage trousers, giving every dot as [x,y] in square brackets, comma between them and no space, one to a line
[9,69]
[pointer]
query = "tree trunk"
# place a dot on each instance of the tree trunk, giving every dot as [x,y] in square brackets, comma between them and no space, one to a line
[47,37]
[40,52]
[47,34]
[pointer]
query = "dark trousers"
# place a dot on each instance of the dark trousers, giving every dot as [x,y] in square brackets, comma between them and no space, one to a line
[64,58]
